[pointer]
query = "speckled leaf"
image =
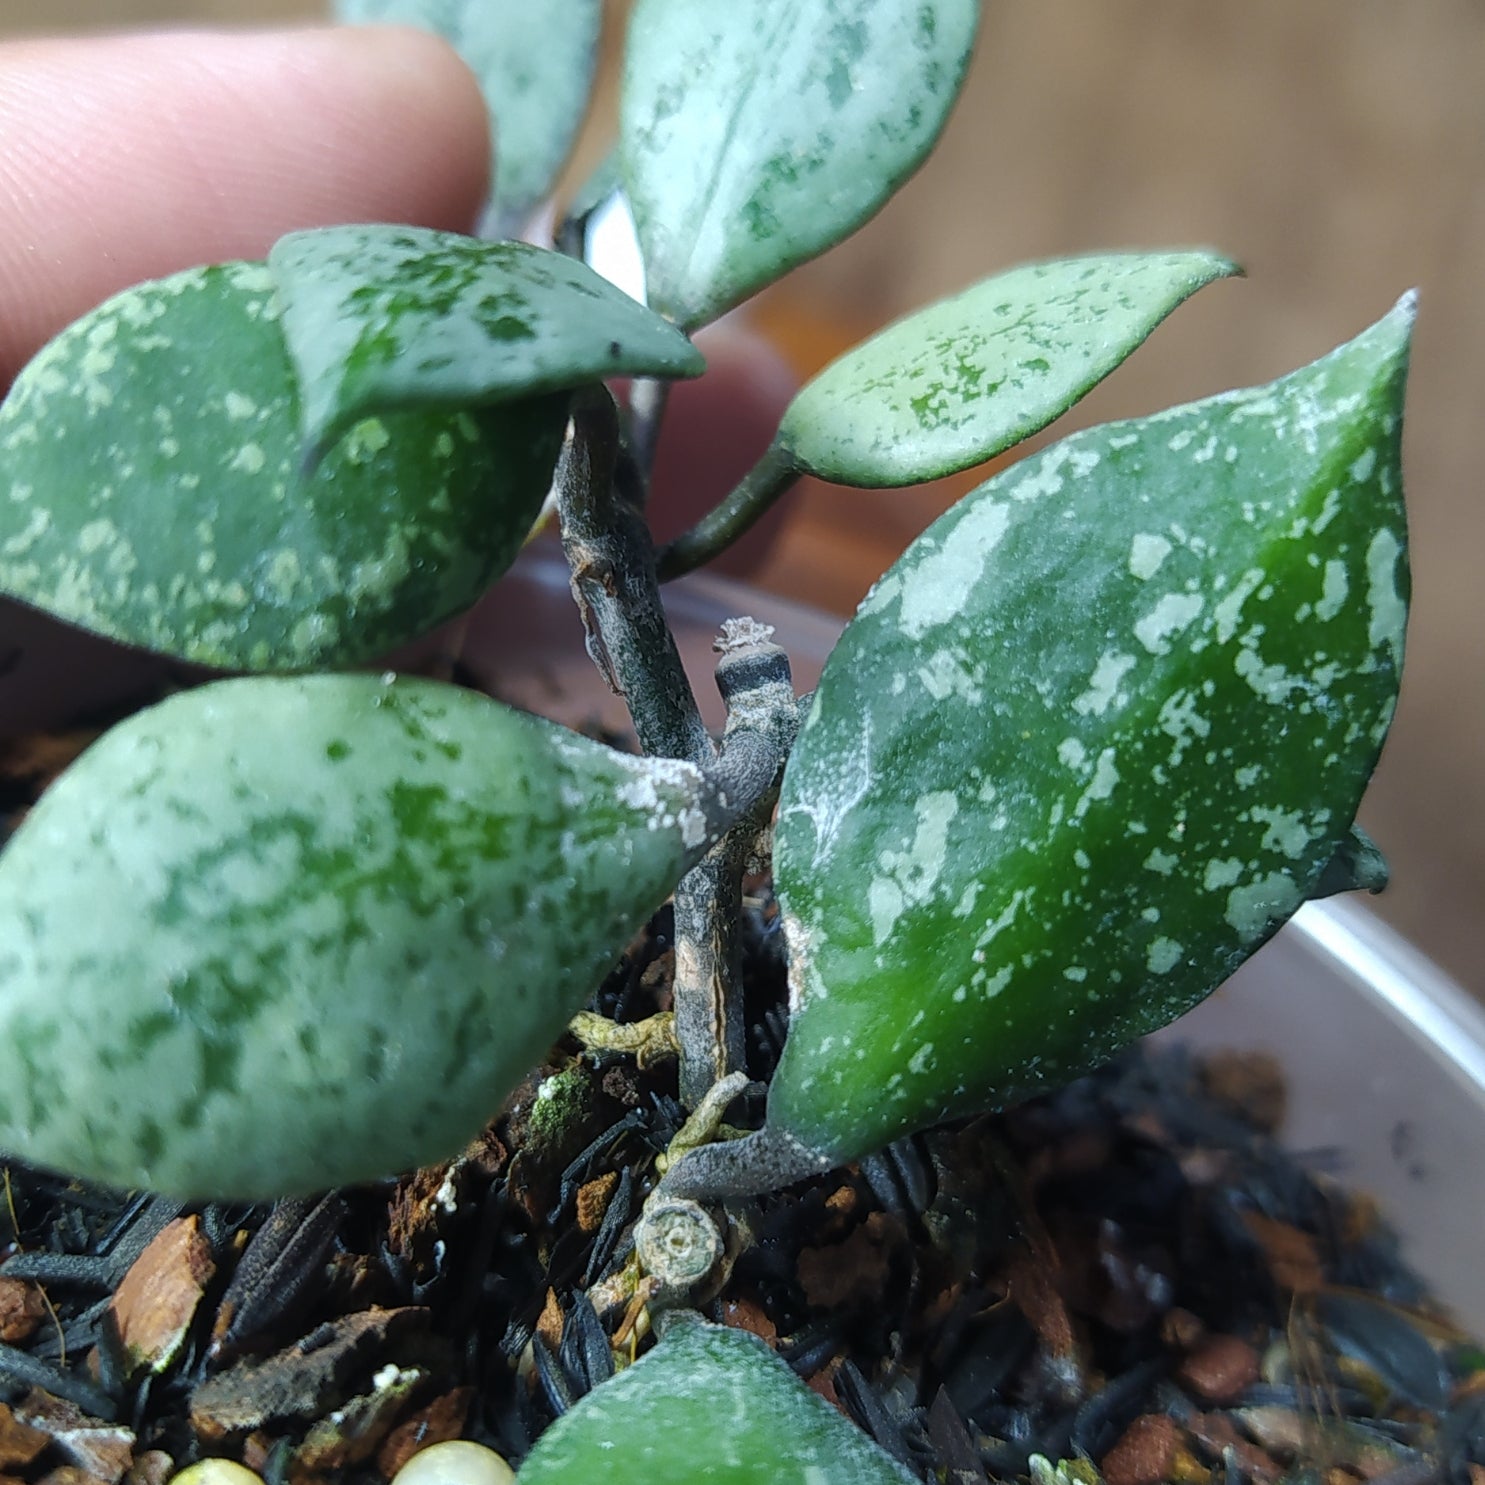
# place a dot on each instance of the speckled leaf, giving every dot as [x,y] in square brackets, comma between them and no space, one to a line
[153,458]
[710,1404]
[1087,744]
[535,65]
[755,136]
[283,933]
[954,384]
[380,318]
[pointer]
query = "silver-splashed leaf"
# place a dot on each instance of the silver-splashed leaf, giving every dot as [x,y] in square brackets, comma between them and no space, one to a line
[281,934]
[381,318]
[755,136]
[711,1404]
[153,458]
[535,66]
[958,382]
[1087,744]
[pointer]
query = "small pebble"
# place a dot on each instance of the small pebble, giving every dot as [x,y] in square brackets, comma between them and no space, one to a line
[1220,1369]
[456,1463]
[1146,1452]
[216,1472]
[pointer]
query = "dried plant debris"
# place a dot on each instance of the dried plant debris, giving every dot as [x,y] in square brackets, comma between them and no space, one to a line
[1125,1281]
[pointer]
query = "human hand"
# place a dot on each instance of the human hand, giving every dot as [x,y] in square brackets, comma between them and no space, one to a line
[130,157]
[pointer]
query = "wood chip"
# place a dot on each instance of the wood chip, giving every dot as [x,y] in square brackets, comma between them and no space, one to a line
[438,1423]
[19,1442]
[551,1322]
[743,1314]
[593,1198]
[1145,1453]
[852,1270]
[101,1450]
[354,1431]
[257,1449]
[1180,1330]
[843,1201]
[1220,1369]
[1252,1084]
[822,1383]
[22,1309]
[1292,1257]
[68,1474]
[420,1207]
[154,1305]
[308,1379]
[150,1467]
[1277,1429]
[1219,1437]
[1033,1290]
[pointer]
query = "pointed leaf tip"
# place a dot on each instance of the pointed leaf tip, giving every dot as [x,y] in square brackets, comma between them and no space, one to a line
[277,935]
[708,1403]
[956,383]
[1007,843]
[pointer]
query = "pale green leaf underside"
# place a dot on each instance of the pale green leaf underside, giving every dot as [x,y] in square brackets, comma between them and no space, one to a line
[535,65]
[280,934]
[710,1404]
[152,453]
[380,318]
[955,384]
[1086,745]
[755,136]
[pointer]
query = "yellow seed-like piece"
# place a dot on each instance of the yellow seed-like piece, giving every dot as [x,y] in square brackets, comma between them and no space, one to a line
[455,1463]
[216,1472]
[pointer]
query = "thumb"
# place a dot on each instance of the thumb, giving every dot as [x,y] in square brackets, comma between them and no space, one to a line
[130,157]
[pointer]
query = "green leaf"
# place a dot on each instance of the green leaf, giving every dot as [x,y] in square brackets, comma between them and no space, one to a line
[535,66]
[386,318]
[954,384]
[1087,744]
[279,934]
[711,1404]
[753,137]
[152,453]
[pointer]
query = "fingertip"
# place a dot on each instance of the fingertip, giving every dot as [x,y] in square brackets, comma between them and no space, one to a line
[425,109]
[131,157]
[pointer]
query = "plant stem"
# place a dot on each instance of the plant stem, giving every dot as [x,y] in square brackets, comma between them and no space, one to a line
[765,1160]
[648,1041]
[753,676]
[613,579]
[751,499]
[612,560]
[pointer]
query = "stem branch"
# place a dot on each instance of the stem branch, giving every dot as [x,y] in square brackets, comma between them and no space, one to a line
[762,721]
[750,500]
[728,1170]
[613,579]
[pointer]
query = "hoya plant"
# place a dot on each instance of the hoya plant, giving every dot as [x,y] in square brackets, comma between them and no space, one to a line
[1094,736]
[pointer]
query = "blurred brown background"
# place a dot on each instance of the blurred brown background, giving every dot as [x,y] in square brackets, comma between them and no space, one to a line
[1337,149]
